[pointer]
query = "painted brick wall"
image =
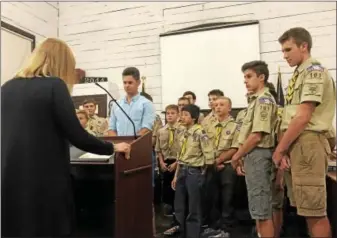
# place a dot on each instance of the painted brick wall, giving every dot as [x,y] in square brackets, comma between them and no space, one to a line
[109,36]
[38,18]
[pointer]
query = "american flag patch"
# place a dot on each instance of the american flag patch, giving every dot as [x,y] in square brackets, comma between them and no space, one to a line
[315,67]
[265,100]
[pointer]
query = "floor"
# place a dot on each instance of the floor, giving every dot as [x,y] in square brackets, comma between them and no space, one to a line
[294,226]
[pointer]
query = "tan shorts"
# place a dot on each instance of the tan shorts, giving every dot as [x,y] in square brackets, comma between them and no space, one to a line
[309,163]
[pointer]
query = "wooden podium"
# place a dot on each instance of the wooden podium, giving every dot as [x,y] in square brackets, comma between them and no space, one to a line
[121,189]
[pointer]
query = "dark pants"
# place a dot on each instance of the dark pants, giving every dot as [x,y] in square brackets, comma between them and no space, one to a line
[210,208]
[226,180]
[189,186]
[168,192]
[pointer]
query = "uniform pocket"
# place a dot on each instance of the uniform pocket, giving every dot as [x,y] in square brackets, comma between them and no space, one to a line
[310,197]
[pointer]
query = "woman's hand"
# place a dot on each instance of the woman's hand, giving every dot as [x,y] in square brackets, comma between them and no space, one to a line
[124,148]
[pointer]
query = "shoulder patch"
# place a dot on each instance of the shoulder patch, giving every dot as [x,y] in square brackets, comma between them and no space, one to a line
[315,67]
[265,100]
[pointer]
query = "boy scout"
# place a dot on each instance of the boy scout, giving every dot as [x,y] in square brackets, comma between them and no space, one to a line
[256,141]
[193,98]
[224,135]
[167,150]
[182,102]
[96,124]
[196,153]
[307,116]
[83,118]
[211,117]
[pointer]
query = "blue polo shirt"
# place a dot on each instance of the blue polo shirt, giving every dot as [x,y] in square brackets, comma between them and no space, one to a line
[140,110]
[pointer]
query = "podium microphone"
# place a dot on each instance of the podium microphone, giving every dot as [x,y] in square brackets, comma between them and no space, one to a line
[114,100]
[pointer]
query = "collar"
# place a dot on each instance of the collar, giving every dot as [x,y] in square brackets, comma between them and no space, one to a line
[194,128]
[224,123]
[174,126]
[306,64]
[133,99]
[255,95]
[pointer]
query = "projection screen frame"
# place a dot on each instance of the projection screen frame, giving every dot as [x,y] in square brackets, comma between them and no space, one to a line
[20,32]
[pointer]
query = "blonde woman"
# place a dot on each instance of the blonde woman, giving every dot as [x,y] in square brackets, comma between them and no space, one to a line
[38,120]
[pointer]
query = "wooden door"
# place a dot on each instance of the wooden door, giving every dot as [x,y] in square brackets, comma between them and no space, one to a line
[101,100]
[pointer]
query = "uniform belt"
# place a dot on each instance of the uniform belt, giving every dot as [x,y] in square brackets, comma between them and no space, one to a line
[188,166]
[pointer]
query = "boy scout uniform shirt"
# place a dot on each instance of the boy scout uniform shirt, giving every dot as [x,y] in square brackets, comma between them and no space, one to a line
[224,135]
[208,120]
[196,147]
[90,131]
[168,141]
[261,117]
[278,124]
[156,126]
[98,125]
[240,116]
[313,83]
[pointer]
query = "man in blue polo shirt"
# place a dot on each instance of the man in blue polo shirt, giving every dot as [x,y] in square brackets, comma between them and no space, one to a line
[139,109]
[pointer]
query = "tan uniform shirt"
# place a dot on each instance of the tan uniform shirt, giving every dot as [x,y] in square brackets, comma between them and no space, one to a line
[196,148]
[240,116]
[278,124]
[223,135]
[261,117]
[90,131]
[98,125]
[156,126]
[208,120]
[201,117]
[313,84]
[169,147]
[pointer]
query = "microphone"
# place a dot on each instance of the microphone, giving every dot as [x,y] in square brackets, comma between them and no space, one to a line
[114,100]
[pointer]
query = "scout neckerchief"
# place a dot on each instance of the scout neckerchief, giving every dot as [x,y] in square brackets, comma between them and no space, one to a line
[183,147]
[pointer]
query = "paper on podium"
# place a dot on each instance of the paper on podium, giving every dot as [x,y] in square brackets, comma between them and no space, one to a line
[94,156]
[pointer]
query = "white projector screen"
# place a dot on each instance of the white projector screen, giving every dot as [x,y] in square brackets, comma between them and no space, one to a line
[15,49]
[206,60]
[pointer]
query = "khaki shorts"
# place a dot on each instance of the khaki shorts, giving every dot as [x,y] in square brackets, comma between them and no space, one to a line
[309,163]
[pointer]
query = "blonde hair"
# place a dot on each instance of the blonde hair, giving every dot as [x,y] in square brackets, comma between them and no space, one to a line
[83,112]
[226,98]
[52,58]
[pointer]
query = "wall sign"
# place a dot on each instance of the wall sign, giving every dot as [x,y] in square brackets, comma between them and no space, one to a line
[93,79]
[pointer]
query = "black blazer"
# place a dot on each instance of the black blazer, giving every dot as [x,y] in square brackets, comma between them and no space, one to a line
[38,121]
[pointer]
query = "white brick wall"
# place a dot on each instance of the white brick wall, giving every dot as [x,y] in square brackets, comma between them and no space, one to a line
[109,36]
[38,18]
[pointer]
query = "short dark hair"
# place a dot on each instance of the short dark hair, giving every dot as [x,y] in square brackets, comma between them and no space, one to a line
[89,100]
[172,107]
[131,71]
[190,93]
[147,96]
[216,92]
[259,67]
[299,35]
